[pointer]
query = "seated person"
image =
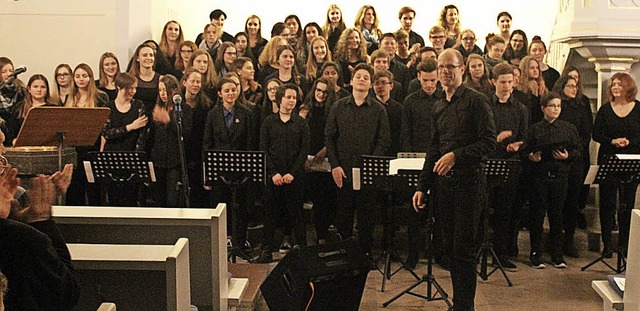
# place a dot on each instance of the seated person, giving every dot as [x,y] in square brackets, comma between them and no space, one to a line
[33,254]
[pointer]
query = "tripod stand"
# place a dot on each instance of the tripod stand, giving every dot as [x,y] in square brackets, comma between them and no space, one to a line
[234,169]
[374,172]
[498,172]
[428,278]
[623,170]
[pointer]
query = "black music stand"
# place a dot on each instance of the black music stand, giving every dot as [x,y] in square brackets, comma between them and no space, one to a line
[234,168]
[621,171]
[119,167]
[497,171]
[375,173]
[413,176]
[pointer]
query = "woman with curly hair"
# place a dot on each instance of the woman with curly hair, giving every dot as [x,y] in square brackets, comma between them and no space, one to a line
[350,51]
[449,19]
[533,86]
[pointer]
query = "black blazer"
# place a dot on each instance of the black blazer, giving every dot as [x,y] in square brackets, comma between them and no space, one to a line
[240,136]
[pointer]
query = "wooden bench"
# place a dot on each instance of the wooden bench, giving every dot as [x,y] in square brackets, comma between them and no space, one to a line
[136,277]
[205,228]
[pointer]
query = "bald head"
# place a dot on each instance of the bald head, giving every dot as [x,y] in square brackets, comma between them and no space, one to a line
[450,68]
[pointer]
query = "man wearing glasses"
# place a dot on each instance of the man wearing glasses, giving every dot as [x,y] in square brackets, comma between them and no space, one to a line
[463,132]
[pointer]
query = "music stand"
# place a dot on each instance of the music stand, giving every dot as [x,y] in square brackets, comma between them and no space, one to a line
[119,167]
[375,174]
[497,171]
[622,170]
[413,176]
[234,168]
[61,126]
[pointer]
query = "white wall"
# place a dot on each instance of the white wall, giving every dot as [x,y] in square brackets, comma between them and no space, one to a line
[44,33]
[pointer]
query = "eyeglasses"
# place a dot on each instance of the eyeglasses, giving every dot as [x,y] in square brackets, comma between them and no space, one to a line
[272,89]
[468,39]
[59,75]
[321,91]
[381,83]
[448,67]
[436,37]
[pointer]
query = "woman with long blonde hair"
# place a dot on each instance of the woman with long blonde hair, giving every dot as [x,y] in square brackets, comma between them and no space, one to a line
[170,41]
[319,54]
[109,67]
[62,84]
[84,92]
[202,62]
[532,84]
[333,26]
[367,22]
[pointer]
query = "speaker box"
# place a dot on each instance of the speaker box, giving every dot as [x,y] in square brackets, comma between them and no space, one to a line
[338,272]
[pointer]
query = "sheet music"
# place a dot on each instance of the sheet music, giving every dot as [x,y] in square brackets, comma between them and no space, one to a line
[591,175]
[628,156]
[405,164]
[620,282]
[356,178]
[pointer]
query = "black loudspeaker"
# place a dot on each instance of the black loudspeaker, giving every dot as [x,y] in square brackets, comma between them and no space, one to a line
[338,272]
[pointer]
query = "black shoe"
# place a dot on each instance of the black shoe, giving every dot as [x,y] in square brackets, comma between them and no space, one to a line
[607,252]
[570,250]
[412,261]
[536,260]
[265,257]
[513,250]
[507,265]
[558,262]
[444,262]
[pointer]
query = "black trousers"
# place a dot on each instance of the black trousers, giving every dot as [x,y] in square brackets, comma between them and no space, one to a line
[571,204]
[222,193]
[363,202]
[502,201]
[549,193]
[627,199]
[165,190]
[322,191]
[460,198]
[285,199]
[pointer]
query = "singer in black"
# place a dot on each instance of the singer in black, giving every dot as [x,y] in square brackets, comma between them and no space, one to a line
[165,147]
[230,127]
[463,133]
[357,125]
[553,145]
[125,130]
[284,138]
[617,129]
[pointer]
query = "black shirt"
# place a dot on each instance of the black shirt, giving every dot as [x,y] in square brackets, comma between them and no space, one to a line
[394,114]
[415,38]
[286,144]
[353,131]
[416,121]
[463,126]
[317,120]
[115,131]
[558,132]
[510,116]
[578,114]
[608,126]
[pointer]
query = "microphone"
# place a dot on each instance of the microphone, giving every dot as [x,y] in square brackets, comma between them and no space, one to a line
[18,71]
[177,100]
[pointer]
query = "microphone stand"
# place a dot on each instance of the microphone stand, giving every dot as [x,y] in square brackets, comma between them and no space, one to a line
[182,186]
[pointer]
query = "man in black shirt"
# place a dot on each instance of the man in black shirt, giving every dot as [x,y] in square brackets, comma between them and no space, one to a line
[416,134]
[463,133]
[406,16]
[217,17]
[382,85]
[400,71]
[553,144]
[285,141]
[511,120]
[357,125]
